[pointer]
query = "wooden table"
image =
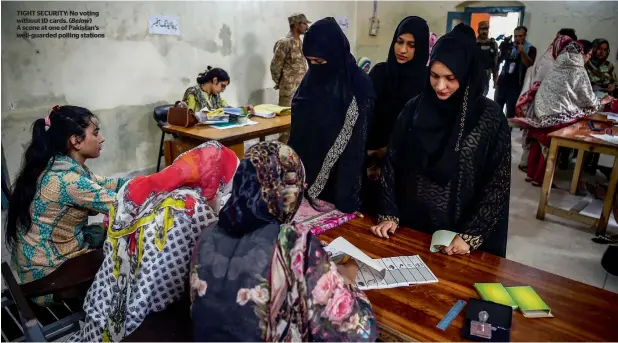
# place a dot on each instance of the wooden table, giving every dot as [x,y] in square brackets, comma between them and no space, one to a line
[581,312]
[189,138]
[577,136]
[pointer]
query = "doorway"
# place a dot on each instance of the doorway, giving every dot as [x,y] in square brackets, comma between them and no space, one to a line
[502,22]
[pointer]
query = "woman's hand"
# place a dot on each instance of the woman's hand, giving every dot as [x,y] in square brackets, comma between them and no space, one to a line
[607,99]
[384,228]
[374,172]
[457,247]
[249,109]
[348,271]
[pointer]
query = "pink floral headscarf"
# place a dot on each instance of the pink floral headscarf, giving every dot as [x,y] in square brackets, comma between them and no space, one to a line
[433,38]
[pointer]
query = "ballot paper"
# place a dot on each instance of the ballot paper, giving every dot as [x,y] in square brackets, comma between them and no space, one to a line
[441,238]
[264,114]
[389,272]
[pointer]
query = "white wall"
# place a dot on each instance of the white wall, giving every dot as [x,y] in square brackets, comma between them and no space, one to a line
[123,76]
[590,19]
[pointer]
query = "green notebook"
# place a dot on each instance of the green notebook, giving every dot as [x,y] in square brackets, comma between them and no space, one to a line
[495,292]
[530,304]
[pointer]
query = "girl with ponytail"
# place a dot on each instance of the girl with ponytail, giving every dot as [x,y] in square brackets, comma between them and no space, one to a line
[55,193]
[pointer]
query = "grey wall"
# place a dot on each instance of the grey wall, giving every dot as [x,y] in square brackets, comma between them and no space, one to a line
[123,76]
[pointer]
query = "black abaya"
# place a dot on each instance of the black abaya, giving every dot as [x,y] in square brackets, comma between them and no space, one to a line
[448,165]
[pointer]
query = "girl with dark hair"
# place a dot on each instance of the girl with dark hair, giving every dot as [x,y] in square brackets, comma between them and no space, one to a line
[448,164]
[55,193]
[396,81]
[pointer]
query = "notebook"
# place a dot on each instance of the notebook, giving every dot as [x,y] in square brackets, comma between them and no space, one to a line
[530,304]
[495,292]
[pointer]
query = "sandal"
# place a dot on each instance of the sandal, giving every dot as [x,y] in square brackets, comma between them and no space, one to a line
[528,179]
[523,169]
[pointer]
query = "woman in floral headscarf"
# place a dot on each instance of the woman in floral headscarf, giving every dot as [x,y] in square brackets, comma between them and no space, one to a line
[154,226]
[564,97]
[258,278]
[600,70]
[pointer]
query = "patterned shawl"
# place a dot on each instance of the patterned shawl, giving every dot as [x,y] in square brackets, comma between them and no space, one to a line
[152,231]
[255,278]
[566,94]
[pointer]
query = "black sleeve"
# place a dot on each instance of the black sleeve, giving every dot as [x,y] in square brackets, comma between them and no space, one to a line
[388,208]
[494,190]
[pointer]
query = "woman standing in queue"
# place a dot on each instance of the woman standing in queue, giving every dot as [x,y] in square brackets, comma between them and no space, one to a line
[402,77]
[331,111]
[448,165]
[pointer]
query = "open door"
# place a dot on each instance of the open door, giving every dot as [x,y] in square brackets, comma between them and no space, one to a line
[455,18]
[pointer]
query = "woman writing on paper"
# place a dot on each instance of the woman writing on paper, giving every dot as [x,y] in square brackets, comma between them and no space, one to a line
[207,93]
[448,164]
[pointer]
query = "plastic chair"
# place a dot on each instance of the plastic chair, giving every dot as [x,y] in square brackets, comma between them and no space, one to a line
[160,116]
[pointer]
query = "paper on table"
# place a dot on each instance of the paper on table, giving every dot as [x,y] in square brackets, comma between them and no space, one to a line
[264,114]
[607,138]
[441,238]
[233,125]
[610,115]
[342,245]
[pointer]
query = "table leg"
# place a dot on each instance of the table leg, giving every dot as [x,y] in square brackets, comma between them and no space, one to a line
[167,153]
[577,172]
[549,178]
[238,149]
[609,200]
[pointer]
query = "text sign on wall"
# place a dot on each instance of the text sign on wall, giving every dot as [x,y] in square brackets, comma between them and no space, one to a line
[164,25]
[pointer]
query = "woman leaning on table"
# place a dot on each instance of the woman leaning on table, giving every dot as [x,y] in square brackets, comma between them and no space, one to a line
[448,165]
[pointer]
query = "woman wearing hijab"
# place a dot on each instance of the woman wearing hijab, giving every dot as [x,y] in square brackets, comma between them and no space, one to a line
[564,97]
[600,70]
[399,79]
[532,83]
[331,111]
[257,277]
[448,165]
[153,229]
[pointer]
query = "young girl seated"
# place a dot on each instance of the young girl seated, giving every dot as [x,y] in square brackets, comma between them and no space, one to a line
[55,193]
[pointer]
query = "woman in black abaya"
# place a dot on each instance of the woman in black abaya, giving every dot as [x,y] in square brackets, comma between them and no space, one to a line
[402,77]
[330,116]
[448,165]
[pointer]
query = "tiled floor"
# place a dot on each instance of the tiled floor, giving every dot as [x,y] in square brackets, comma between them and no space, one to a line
[555,245]
[558,246]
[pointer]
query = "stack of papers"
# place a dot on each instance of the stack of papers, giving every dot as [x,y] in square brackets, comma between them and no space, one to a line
[212,117]
[610,115]
[381,273]
[277,110]
[264,114]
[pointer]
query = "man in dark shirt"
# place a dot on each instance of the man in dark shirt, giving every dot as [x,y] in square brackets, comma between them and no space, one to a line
[489,53]
[520,57]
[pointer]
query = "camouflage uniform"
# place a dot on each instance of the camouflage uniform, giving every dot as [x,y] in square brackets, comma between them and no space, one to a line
[288,66]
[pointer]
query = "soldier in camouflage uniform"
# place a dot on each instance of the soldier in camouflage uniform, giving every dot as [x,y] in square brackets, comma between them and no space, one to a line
[289,66]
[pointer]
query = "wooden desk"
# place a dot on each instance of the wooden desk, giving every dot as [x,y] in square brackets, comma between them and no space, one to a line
[577,136]
[582,312]
[232,138]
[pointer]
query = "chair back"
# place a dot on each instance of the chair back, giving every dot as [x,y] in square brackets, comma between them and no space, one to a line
[160,114]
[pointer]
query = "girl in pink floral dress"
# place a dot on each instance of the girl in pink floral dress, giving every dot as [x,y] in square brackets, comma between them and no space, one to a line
[256,277]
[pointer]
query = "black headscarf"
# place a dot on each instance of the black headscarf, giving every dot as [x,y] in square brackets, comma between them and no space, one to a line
[395,84]
[321,101]
[439,125]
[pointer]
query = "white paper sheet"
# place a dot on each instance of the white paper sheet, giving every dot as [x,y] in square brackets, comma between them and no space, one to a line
[249,122]
[389,272]
[607,138]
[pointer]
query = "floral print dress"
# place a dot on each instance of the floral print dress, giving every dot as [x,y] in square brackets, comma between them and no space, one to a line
[257,277]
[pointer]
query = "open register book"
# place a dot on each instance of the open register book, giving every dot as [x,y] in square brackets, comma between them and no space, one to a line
[380,273]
